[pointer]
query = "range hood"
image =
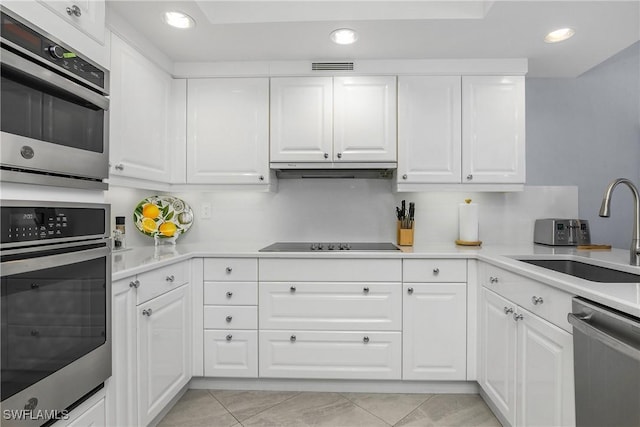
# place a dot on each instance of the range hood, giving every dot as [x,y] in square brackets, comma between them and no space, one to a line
[289,170]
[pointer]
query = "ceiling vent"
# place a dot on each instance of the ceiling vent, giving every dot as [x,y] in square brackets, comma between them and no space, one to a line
[332,66]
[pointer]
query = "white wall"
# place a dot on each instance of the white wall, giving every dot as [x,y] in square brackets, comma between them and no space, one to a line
[586,132]
[352,210]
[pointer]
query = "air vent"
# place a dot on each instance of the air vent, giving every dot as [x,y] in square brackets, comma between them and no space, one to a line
[332,66]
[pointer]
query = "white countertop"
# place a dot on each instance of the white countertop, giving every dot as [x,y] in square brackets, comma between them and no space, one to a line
[621,296]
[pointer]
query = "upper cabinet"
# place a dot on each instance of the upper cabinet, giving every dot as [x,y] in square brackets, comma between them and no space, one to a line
[147,118]
[228,131]
[339,119]
[461,130]
[86,15]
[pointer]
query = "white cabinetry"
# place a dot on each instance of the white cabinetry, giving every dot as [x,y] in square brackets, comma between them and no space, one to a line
[147,119]
[228,131]
[90,413]
[339,119]
[151,359]
[434,320]
[526,361]
[454,129]
[231,317]
[86,15]
[330,318]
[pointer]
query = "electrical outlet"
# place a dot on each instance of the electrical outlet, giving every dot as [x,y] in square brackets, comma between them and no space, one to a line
[206,211]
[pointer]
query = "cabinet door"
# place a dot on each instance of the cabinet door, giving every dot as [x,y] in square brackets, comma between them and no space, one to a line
[498,333]
[142,136]
[122,384]
[545,387]
[429,129]
[434,338]
[87,15]
[164,351]
[230,353]
[94,416]
[493,129]
[301,119]
[228,131]
[364,119]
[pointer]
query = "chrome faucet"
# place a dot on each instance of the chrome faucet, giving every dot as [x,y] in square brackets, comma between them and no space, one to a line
[606,207]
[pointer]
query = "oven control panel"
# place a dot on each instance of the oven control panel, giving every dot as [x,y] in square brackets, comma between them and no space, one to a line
[26,224]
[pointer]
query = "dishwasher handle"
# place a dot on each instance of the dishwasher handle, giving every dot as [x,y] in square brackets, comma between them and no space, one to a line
[581,324]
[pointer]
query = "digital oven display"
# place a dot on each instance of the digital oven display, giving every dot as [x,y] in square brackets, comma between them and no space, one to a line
[27,219]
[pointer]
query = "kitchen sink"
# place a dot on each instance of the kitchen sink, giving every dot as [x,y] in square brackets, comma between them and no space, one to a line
[585,271]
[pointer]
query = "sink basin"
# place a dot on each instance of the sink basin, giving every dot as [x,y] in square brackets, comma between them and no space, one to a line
[585,271]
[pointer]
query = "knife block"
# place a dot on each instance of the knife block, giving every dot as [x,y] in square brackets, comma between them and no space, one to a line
[405,235]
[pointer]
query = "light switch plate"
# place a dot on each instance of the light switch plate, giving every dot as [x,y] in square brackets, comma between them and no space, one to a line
[206,211]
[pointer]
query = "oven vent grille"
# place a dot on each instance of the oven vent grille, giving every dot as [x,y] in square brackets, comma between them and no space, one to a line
[332,66]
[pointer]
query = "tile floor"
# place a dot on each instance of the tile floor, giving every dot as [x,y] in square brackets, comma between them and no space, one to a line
[225,408]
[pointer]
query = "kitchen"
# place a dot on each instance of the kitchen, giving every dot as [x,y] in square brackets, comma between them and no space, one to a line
[582,132]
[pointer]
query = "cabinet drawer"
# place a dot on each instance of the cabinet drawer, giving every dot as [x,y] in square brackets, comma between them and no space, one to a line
[240,269]
[230,353]
[231,293]
[331,306]
[330,355]
[331,270]
[434,270]
[161,280]
[553,307]
[230,317]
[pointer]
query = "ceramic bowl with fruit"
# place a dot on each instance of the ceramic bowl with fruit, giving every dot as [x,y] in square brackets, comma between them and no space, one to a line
[163,217]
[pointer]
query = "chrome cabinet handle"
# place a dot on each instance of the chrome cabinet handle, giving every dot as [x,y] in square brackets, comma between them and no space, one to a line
[229,337]
[409,291]
[229,294]
[469,177]
[536,300]
[405,176]
[261,177]
[119,167]
[292,288]
[326,155]
[339,155]
[365,289]
[228,270]
[508,310]
[517,316]
[74,10]
[229,319]
[170,278]
[292,338]
[147,312]
[365,339]
[493,279]
[135,284]
[436,271]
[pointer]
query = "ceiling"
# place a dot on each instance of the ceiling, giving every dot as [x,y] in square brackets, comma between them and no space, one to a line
[242,30]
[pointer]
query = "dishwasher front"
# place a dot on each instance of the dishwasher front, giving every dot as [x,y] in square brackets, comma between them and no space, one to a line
[606,354]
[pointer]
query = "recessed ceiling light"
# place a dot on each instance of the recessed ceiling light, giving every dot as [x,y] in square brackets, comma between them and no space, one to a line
[344,36]
[179,19]
[559,35]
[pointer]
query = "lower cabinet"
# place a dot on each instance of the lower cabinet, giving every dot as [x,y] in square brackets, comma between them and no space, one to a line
[526,364]
[92,412]
[330,354]
[230,353]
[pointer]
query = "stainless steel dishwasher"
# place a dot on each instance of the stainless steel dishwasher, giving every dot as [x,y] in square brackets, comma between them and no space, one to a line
[606,354]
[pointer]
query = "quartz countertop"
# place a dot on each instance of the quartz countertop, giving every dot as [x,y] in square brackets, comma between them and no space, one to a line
[621,296]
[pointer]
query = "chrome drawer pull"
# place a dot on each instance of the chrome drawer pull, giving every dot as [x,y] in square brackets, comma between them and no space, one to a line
[436,271]
[135,284]
[409,291]
[517,316]
[170,278]
[536,300]
[365,289]
[228,270]
[493,279]
[293,338]
[229,294]
[292,288]
[508,310]
[147,312]
[229,319]
[365,339]
[229,337]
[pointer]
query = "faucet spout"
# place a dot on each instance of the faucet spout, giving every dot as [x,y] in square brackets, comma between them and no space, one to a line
[605,211]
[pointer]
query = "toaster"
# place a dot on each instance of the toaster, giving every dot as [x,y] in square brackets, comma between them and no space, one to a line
[562,232]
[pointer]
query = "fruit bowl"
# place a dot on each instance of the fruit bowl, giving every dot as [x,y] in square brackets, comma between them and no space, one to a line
[163,217]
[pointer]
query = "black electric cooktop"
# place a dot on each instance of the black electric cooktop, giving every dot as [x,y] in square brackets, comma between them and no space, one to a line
[330,246]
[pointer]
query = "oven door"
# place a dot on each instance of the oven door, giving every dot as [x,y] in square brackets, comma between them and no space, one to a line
[56,338]
[50,123]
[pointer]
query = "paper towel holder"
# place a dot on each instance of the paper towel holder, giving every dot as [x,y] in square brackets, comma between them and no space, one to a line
[461,242]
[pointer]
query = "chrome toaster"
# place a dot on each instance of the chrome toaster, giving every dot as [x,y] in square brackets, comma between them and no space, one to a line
[562,232]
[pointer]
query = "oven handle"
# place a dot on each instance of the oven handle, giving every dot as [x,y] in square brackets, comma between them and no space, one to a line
[40,263]
[49,78]
[581,324]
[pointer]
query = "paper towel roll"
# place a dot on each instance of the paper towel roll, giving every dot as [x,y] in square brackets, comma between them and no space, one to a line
[468,217]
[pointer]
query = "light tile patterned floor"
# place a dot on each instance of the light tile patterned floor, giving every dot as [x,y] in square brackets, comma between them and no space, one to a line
[226,408]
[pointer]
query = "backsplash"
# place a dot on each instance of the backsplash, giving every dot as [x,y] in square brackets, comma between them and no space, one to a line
[351,210]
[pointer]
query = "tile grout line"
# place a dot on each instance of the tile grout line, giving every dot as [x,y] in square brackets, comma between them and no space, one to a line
[370,413]
[225,408]
[430,396]
[425,401]
[257,413]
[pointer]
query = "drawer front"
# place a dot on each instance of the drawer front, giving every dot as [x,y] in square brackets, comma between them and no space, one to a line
[230,317]
[161,280]
[434,270]
[236,269]
[230,293]
[525,292]
[330,355]
[230,353]
[331,306]
[331,270]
